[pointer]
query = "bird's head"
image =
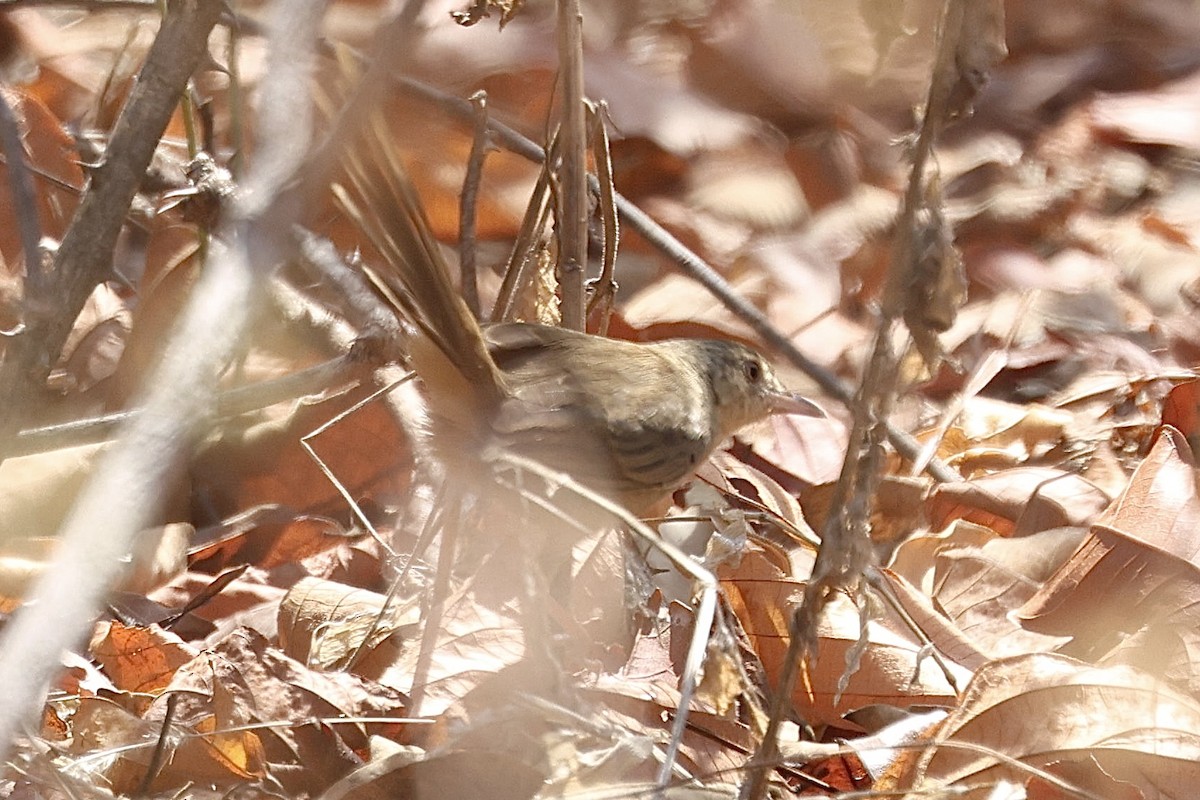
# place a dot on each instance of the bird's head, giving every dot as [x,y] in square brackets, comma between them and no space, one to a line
[745,388]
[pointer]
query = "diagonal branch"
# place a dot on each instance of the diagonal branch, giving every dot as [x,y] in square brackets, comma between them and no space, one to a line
[85,257]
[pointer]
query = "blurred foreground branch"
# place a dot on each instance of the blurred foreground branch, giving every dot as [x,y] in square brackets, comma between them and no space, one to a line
[84,259]
[132,478]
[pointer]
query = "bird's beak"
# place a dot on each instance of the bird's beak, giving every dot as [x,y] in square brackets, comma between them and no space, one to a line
[788,403]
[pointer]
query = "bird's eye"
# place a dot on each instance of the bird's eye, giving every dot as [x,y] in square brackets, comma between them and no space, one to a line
[753,371]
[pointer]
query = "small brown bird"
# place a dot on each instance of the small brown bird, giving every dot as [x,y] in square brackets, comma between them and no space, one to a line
[629,420]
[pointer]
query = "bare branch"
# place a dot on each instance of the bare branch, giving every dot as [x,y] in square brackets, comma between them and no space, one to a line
[133,477]
[85,257]
[573,185]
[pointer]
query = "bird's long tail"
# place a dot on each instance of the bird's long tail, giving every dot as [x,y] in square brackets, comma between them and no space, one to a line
[380,199]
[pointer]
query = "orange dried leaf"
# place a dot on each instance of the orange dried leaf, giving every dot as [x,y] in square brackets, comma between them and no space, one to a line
[892,669]
[139,659]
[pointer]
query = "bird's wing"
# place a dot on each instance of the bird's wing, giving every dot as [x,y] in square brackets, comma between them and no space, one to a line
[565,412]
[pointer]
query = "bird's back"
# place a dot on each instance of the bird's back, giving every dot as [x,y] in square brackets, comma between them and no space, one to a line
[596,410]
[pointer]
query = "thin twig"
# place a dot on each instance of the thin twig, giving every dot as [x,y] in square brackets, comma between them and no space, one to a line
[517,274]
[877,581]
[84,258]
[428,533]
[845,550]
[53,180]
[187,112]
[605,292]
[706,609]
[24,204]
[449,524]
[467,205]
[88,5]
[229,404]
[305,443]
[159,757]
[237,98]
[368,314]
[692,265]
[126,490]
[573,176]
[131,480]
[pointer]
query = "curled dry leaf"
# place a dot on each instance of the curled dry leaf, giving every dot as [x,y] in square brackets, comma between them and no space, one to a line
[243,680]
[480,10]
[712,745]
[323,623]
[934,626]
[1139,567]
[1018,502]
[1019,432]
[1051,718]
[743,480]
[914,558]
[978,587]
[936,285]
[221,601]
[480,635]
[1181,410]
[893,668]
[809,449]
[96,343]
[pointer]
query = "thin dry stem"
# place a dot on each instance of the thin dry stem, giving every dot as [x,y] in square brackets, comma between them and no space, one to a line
[451,507]
[705,611]
[305,442]
[230,403]
[693,266]
[846,547]
[21,186]
[573,185]
[467,205]
[518,273]
[605,292]
[370,316]
[877,582]
[84,258]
